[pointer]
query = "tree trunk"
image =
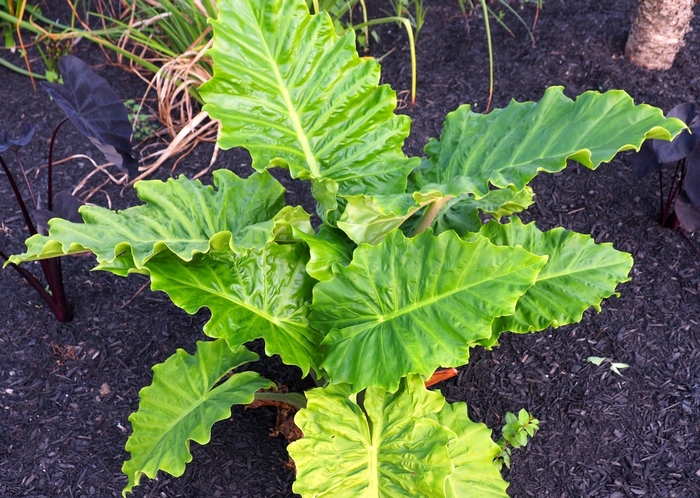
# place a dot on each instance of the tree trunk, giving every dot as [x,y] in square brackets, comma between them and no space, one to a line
[657,32]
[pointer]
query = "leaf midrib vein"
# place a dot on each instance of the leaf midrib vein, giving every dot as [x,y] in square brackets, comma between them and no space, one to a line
[293,115]
[437,298]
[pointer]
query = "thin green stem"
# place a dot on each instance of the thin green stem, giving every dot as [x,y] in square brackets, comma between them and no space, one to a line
[138,60]
[520,19]
[411,41]
[20,70]
[37,30]
[34,13]
[93,36]
[365,19]
[498,19]
[487,25]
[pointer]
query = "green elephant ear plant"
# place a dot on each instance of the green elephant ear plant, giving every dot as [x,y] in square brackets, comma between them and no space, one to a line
[402,277]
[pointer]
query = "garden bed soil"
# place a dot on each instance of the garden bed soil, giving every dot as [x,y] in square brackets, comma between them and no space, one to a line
[66,390]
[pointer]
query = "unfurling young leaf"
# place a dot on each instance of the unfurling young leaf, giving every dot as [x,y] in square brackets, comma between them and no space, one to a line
[327,247]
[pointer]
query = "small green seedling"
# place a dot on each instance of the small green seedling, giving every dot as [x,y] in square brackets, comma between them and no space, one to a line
[143,124]
[515,434]
[615,367]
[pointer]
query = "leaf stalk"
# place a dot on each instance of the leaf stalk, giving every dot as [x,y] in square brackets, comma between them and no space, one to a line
[430,214]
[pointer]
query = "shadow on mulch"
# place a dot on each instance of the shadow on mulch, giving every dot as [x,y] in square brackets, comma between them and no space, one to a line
[66,390]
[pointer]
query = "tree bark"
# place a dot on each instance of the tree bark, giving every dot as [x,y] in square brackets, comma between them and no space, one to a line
[657,32]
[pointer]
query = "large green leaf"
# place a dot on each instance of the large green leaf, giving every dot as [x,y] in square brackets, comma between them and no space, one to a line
[412,305]
[472,454]
[180,215]
[511,145]
[262,293]
[296,95]
[579,274]
[182,404]
[392,449]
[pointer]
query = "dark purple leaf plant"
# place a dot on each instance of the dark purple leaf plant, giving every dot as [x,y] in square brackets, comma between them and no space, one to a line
[681,207]
[92,106]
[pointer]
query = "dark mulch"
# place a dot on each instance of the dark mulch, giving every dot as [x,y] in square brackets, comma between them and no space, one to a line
[602,435]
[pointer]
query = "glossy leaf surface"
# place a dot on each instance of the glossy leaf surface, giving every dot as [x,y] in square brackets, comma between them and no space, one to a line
[180,215]
[182,404]
[579,274]
[397,449]
[511,145]
[472,454]
[296,95]
[262,293]
[413,305]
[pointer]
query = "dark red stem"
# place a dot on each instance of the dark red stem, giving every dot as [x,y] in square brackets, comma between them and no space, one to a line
[18,195]
[661,194]
[673,192]
[26,180]
[56,300]
[49,187]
